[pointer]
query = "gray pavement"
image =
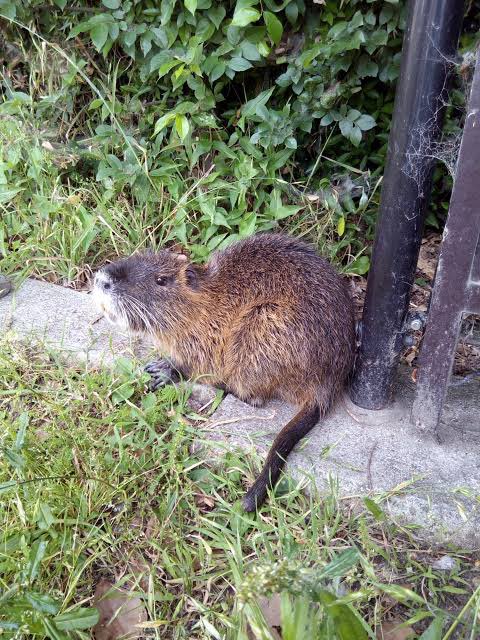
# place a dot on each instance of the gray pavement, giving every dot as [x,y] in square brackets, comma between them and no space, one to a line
[66,320]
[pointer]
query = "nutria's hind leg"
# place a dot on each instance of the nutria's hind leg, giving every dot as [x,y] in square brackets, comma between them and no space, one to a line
[162,372]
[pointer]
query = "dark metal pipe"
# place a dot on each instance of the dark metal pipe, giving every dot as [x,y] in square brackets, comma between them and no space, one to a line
[429,48]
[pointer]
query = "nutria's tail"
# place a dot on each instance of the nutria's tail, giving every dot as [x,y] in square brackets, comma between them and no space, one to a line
[295,430]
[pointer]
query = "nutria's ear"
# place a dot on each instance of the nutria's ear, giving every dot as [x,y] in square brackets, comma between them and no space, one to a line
[194,274]
[179,252]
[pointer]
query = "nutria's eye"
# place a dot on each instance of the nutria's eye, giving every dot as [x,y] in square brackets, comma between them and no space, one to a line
[162,280]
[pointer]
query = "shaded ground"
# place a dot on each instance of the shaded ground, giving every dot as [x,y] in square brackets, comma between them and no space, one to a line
[467,357]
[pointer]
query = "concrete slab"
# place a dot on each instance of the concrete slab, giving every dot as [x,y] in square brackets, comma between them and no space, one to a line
[68,321]
[436,486]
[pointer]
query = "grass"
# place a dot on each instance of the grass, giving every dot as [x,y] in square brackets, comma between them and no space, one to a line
[58,225]
[98,479]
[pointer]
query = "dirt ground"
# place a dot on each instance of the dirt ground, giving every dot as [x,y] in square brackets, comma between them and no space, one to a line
[467,357]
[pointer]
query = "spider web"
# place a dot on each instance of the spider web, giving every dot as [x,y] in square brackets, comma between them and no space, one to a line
[429,143]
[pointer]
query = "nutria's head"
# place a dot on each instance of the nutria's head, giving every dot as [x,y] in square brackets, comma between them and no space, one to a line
[148,292]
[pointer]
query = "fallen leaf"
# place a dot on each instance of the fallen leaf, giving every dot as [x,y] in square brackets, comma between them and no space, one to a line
[426,265]
[392,631]
[41,435]
[120,613]
[151,528]
[204,502]
[270,607]
[409,358]
[139,567]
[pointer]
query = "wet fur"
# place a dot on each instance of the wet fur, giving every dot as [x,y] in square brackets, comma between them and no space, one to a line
[265,318]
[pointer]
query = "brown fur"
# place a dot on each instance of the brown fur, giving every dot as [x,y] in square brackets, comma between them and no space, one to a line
[267,317]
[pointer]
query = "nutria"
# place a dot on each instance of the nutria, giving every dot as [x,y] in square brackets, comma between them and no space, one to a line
[266,317]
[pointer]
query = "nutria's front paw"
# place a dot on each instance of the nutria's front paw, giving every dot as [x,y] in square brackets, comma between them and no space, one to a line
[161,372]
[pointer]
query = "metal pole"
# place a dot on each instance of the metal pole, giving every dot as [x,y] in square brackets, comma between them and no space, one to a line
[430,44]
[457,281]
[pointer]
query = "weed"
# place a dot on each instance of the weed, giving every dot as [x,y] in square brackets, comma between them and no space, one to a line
[99,480]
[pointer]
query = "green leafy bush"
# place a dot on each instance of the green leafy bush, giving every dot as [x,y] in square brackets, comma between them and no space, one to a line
[220,118]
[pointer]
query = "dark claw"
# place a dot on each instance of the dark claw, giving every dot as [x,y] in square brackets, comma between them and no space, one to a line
[161,373]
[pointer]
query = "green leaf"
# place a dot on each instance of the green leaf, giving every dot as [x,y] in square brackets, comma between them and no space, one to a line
[146,42]
[52,632]
[42,602]
[98,102]
[129,37]
[378,38]
[99,35]
[14,458]
[355,136]
[182,126]
[341,564]
[244,16]
[291,11]
[326,120]
[250,108]
[346,127]
[167,7]
[341,226]
[353,115]
[250,51]
[291,142]
[239,64]
[374,509]
[263,49]
[360,266]
[434,631]
[7,486]
[217,71]
[8,9]
[191,5]
[276,7]
[347,625]
[216,15]
[37,553]
[399,593]
[219,219]
[45,517]
[365,122]
[274,26]
[366,67]
[111,4]
[247,225]
[77,619]
[163,122]
[284,211]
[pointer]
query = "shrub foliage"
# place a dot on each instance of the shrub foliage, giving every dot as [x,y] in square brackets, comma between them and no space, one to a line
[223,117]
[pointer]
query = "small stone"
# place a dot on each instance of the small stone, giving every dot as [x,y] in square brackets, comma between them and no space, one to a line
[201,397]
[445,563]
[5,286]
